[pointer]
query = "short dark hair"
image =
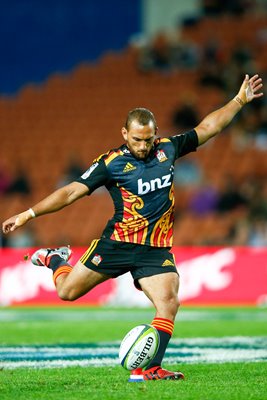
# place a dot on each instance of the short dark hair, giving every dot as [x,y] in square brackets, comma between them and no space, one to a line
[142,115]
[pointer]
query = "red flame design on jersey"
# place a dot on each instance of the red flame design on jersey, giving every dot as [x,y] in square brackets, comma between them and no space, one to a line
[134,226]
[162,234]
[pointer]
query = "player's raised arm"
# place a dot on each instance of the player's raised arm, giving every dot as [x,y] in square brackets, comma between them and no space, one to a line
[52,203]
[219,119]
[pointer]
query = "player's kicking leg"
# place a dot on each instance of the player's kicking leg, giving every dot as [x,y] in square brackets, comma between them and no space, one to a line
[71,282]
[162,290]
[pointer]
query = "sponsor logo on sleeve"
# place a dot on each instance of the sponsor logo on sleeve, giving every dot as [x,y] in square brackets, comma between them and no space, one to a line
[87,173]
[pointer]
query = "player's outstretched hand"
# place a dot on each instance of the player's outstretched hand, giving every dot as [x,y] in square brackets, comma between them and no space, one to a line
[15,222]
[249,89]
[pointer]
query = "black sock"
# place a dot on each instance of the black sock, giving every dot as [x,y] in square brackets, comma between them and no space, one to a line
[55,262]
[164,340]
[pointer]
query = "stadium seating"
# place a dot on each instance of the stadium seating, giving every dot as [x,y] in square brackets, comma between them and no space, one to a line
[83,112]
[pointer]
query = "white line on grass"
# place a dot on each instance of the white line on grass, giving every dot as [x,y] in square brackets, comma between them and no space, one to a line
[189,351]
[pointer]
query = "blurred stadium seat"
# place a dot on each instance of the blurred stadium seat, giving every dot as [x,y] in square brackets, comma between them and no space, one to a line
[83,113]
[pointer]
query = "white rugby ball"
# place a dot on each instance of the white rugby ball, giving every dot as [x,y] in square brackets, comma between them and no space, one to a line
[139,347]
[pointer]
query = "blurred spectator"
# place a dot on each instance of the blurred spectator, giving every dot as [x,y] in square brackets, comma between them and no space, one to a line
[167,54]
[204,199]
[238,234]
[258,200]
[261,35]
[230,197]
[239,138]
[187,172]
[156,55]
[211,75]
[212,51]
[185,54]
[211,7]
[4,180]
[19,184]
[22,238]
[73,171]
[185,116]
[258,232]
[235,7]
[261,130]
[242,56]
[230,7]
[251,127]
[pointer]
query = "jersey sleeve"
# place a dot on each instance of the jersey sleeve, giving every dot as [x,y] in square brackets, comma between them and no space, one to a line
[95,176]
[184,143]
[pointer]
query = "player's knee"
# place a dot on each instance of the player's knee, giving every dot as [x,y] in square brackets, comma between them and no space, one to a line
[66,295]
[168,306]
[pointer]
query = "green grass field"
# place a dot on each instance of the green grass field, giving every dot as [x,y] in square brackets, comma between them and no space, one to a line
[206,347]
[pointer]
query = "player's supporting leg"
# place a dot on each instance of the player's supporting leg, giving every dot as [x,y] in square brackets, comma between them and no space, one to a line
[162,290]
[71,282]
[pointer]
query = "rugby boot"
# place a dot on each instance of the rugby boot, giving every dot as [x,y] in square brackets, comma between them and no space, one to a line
[42,257]
[158,373]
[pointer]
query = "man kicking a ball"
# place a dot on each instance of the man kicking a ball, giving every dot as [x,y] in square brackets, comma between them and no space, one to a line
[139,237]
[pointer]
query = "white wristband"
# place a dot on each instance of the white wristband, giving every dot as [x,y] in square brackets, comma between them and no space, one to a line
[32,212]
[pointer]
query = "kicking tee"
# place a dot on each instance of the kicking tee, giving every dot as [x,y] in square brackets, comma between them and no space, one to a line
[142,190]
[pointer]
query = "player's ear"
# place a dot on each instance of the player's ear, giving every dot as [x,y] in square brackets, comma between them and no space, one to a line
[124,133]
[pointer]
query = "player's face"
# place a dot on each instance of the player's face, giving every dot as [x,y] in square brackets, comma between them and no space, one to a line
[139,138]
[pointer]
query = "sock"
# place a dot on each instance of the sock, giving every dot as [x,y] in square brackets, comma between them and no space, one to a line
[165,330]
[59,267]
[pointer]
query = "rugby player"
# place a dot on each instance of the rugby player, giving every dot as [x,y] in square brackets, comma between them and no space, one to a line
[139,237]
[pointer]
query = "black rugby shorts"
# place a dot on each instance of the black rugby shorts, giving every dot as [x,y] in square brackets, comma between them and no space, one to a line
[114,258]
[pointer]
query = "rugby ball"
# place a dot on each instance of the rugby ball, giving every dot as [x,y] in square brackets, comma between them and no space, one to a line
[139,347]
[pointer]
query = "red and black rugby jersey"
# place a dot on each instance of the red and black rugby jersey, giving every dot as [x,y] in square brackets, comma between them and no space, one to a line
[142,190]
